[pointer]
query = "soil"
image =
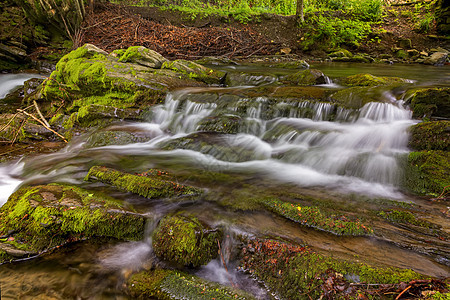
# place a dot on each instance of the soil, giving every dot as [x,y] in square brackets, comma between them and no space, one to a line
[176,35]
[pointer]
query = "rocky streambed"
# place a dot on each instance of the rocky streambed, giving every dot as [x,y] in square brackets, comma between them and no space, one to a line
[224,179]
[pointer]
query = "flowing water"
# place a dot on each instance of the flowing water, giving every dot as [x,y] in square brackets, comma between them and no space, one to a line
[312,148]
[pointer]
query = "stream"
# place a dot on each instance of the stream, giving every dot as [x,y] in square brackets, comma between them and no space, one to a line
[346,156]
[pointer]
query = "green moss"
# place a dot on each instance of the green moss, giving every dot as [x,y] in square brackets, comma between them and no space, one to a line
[313,217]
[404,217]
[428,172]
[293,271]
[185,241]
[46,216]
[195,71]
[371,80]
[152,186]
[430,136]
[431,102]
[168,285]
[306,77]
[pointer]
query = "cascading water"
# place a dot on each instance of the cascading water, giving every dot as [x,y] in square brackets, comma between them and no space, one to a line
[314,145]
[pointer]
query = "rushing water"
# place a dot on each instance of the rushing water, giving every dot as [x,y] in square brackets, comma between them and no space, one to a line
[310,145]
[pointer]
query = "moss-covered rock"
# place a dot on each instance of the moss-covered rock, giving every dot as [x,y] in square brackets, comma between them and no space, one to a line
[358,96]
[185,241]
[364,79]
[431,102]
[430,136]
[313,217]
[295,272]
[195,71]
[171,285]
[140,55]
[41,217]
[152,184]
[428,172]
[306,77]
[91,74]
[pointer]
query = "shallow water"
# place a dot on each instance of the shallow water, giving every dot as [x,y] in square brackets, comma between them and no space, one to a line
[338,154]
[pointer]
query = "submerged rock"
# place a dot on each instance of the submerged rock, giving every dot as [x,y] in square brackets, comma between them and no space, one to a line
[185,241]
[42,217]
[152,184]
[171,285]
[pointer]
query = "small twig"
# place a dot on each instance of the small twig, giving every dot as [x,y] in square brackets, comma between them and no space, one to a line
[40,114]
[404,291]
[17,132]
[42,123]
[225,265]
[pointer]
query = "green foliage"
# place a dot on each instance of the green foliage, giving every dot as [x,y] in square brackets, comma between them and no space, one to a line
[332,32]
[425,23]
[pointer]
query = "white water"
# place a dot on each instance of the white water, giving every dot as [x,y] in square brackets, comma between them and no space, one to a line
[357,153]
[9,82]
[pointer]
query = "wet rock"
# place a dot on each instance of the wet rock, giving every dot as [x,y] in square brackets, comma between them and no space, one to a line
[185,241]
[169,284]
[92,115]
[255,79]
[430,102]
[152,184]
[357,96]
[221,124]
[278,264]
[436,59]
[306,77]
[340,53]
[364,79]
[42,217]
[430,136]
[108,137]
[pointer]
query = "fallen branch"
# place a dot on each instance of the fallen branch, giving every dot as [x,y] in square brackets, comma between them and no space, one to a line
[42,123]
[40,114]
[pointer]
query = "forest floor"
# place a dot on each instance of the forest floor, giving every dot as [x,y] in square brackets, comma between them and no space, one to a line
[178,35]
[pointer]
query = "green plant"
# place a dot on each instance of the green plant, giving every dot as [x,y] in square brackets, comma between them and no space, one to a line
[330,32]
[425,23]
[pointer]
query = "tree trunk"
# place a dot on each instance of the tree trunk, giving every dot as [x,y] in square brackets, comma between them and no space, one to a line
[299,11]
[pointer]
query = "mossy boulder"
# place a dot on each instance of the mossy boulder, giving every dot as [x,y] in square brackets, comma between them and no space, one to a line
[428,172]
[296,272]
[42,217]
[430,136]
[140,55]
[357,96]
[306,77]
[364,79]
[340,53]
[171,285]
[185,241]
[431,102]
[195,71]
[151,184]
[89,72]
